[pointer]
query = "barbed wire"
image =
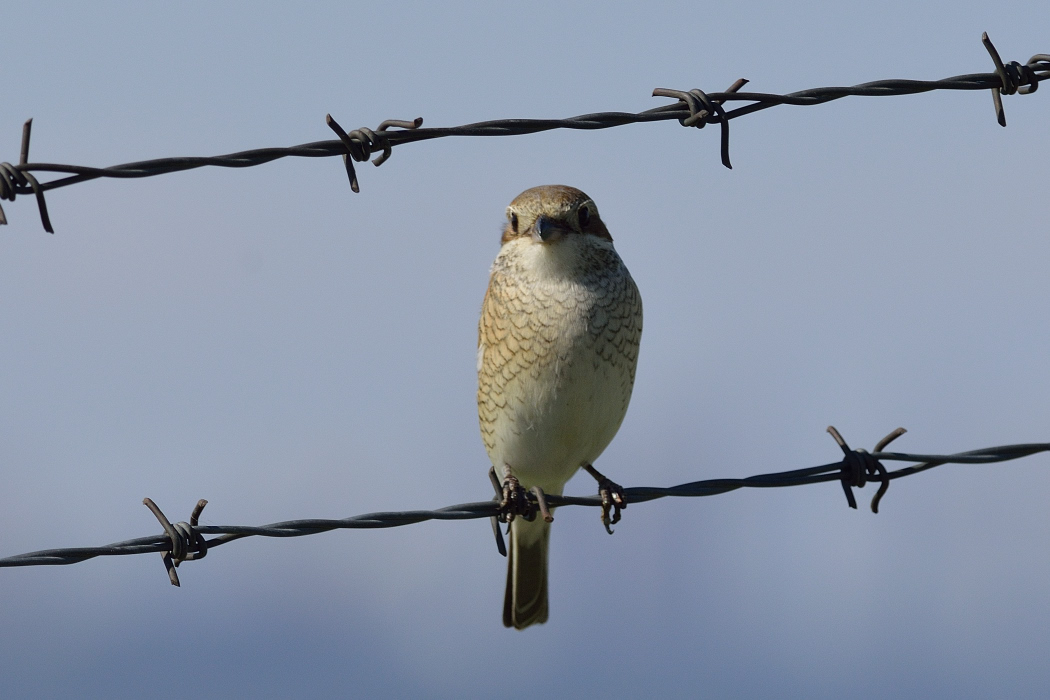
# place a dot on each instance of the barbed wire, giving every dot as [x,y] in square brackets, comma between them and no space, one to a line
[184,541]
[694,108]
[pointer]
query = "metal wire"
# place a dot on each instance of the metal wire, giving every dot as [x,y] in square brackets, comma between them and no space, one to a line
[693,108]
[186,541]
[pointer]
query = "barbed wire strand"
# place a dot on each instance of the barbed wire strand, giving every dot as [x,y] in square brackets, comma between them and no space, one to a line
[694,108]
[186,541]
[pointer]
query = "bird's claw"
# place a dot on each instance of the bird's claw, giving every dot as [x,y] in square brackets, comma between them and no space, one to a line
[614,499]
[612,495]
[515,501]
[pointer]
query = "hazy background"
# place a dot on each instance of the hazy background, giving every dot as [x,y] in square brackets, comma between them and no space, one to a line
[267,340]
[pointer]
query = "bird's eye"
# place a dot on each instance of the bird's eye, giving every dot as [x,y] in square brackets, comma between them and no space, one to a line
[585,216]
[514,222]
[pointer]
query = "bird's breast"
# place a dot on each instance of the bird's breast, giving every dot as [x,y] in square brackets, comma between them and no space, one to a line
[556,363]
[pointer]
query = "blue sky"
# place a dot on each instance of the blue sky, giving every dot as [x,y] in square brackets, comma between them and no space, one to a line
[267,340]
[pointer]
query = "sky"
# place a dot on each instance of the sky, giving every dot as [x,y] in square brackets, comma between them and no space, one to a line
[267,340]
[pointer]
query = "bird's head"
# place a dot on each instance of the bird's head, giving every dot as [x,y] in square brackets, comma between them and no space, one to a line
[550,213]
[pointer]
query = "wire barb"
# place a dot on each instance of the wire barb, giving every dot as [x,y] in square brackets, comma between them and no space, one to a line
[702,108]
[15,180]
[494,519]
[187,544]
[361,143]
[858,465]
[541,503]
[1014,77]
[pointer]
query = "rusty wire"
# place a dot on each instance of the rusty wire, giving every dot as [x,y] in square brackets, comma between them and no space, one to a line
[694,108]
[186,541]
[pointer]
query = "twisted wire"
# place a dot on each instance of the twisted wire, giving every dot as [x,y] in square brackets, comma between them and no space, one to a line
[693,108]
[187,541]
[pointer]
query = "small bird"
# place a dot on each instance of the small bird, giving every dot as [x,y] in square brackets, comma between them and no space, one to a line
[557,349]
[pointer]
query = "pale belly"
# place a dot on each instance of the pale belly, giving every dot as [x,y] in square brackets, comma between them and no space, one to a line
[558,344]
[561,414]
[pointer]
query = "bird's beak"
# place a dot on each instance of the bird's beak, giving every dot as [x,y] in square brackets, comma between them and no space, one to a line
[546,230]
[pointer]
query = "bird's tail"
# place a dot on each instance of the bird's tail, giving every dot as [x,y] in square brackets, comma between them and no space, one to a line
[526,600]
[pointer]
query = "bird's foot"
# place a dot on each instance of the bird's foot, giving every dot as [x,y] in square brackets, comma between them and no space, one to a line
[515,500]
[613,498]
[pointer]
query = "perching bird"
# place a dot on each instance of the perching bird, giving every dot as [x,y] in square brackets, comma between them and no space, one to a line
[557,350]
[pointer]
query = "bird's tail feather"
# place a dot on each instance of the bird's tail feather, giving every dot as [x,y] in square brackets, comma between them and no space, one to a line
[525,602]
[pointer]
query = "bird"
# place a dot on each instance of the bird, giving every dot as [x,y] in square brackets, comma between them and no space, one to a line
[558,341]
